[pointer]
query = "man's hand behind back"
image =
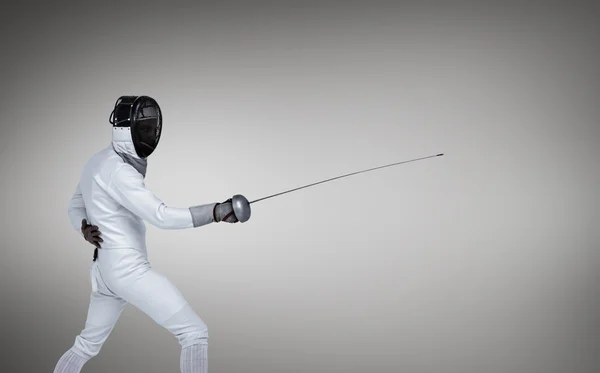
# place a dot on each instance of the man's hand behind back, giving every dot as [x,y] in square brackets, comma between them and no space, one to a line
[91,233]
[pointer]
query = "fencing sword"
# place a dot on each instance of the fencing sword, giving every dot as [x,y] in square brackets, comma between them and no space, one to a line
[241,206]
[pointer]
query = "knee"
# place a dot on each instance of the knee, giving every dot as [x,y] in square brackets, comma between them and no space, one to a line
[187,327]
[89,342]
[195,334]
[86,348]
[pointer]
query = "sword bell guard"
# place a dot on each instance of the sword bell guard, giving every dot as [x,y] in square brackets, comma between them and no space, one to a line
[241,208]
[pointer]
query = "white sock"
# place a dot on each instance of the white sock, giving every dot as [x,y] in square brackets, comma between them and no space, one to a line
[194,359]
[70,362]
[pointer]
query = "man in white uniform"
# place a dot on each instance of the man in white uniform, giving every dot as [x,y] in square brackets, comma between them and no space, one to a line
[112,196]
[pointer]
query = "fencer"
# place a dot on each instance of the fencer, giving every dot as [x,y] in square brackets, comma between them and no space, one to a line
[111,195]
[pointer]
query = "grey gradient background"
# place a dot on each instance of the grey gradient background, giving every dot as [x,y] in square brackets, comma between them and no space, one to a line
[484,260]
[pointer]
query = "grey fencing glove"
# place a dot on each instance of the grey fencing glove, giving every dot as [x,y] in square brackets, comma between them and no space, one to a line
[224,212]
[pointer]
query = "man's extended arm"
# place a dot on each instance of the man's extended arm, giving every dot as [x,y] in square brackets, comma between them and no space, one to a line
[127,187]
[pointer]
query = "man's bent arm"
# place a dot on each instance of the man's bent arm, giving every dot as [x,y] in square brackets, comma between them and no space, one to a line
[76,209]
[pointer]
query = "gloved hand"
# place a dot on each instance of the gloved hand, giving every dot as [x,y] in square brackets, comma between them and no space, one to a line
[91,233]
[224,212]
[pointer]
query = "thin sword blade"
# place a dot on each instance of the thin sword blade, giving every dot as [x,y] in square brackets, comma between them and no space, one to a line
[346,175]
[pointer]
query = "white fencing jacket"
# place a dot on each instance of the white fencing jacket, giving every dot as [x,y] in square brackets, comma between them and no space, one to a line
[111,194]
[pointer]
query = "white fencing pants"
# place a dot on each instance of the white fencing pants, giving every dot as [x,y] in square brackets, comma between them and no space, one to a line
[122,276]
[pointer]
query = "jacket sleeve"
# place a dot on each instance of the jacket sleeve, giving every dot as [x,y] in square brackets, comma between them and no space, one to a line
[76,209]
[126,186]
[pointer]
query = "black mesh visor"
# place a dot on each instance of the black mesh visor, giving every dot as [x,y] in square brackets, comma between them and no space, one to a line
[146,125]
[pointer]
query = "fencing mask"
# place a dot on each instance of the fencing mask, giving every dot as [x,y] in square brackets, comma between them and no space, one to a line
[142,115]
